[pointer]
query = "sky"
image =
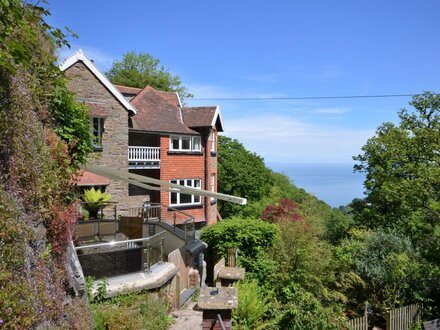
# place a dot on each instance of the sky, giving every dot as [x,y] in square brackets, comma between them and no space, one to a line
[266,49]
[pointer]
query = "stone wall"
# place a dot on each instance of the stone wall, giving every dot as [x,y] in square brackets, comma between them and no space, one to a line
[114,154]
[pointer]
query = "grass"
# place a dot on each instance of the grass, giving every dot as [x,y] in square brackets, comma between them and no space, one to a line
[131,311]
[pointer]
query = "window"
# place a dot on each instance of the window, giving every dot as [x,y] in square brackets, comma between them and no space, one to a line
[212,186]
[212,138]
[185,199]
[97,130]
[185,143]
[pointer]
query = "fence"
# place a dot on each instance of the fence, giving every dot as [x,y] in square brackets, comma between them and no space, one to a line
[359,323]
[103,259]
[402,318]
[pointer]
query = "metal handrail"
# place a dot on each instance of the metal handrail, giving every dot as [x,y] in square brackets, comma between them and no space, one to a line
[101,206]
[142,211]
[113,243]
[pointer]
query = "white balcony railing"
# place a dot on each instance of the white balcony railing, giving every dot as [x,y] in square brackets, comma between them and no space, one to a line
[144,154]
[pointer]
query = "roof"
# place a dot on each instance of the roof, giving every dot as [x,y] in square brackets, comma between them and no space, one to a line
[203,117]
[80,57]
[86,178]
[159,111]
[128,90]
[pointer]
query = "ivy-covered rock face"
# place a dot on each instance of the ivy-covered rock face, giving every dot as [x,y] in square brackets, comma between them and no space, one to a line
[37,158]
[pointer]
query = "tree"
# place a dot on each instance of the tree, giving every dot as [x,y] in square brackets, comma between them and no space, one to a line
[241,173]
[389,266]
[285,209]
[140,70]
[402,165]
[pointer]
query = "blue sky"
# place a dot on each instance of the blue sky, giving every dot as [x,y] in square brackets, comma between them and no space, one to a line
[227,49]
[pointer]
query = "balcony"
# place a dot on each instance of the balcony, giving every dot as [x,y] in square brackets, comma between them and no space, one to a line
[143,158]
[138,251]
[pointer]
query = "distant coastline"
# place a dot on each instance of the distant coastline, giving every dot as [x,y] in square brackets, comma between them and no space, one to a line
[336,184]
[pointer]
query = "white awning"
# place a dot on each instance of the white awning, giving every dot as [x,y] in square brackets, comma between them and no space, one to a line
[147,182]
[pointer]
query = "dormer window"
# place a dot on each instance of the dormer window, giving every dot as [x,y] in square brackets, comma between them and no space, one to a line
[185,143]
[97,131]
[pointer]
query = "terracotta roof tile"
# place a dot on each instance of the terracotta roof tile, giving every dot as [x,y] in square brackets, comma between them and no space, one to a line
[159,112]
[85,178]
[198,116]
[128,90]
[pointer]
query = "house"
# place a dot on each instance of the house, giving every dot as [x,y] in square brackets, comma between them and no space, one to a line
[149,133]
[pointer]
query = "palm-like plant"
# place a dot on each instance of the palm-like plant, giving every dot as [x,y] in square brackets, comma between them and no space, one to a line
[94,199]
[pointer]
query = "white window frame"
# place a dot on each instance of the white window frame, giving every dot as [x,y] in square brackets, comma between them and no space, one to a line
[213,186]
[97,133]
[193,146]
[194,198]
[213,140]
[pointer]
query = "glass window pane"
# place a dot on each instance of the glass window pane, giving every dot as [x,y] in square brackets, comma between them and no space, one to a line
[197,183]
[197,143]
[182,182]
[186,143]
[196,199]
[175,143]
[185,199]
[189,183]
[173,198]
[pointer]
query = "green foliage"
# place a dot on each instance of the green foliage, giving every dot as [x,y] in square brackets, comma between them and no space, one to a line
[402,166]
[388,264]
[252,237]
[94,199]
[337,226]
[253,304]
[241,173]
[131,311]
[35,169]
[301,310]
[72,124]
[89,288]
[140,70]
[101,290]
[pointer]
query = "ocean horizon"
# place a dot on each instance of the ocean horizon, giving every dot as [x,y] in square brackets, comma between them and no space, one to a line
[335,184]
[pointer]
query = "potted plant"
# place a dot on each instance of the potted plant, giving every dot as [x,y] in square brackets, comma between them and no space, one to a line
[94,200]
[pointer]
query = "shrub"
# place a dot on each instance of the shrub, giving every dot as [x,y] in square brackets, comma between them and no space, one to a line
[252,237]
[252,306]
[131,311]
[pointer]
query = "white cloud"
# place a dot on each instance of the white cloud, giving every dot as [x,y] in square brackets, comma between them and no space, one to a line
[285,139]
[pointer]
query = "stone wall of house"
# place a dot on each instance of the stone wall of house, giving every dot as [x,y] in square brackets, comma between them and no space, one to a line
[181,166]
[114,153]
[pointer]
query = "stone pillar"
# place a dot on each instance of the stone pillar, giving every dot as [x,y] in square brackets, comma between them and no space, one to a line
[217,303]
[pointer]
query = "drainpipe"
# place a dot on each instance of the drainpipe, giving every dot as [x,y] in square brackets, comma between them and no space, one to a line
[207,199]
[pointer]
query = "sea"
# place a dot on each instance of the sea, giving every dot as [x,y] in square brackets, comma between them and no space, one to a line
[335,184]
